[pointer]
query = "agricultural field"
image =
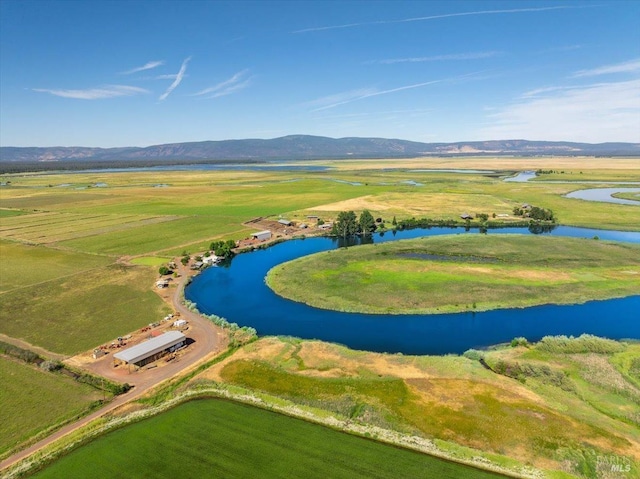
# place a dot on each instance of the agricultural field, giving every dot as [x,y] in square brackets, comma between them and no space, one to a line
[561,403]
[25,265]
[214,438]
[80,253]
[436,274]
[33,400]
[72,314]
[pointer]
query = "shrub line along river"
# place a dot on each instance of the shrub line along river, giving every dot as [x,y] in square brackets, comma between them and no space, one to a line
[238,293]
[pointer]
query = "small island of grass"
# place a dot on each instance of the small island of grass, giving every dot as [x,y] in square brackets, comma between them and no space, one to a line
[457,273]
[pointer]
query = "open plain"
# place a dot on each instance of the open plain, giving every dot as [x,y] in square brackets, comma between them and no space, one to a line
[80,255]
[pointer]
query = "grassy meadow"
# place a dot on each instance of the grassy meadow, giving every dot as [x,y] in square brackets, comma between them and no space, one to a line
[32,400]
[460,272]
[79,254]
[552,414]
[215,438]
[79,312]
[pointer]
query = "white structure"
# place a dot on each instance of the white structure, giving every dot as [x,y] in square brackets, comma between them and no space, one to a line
[179,323]
[153,349]
[262,235]
[211,259]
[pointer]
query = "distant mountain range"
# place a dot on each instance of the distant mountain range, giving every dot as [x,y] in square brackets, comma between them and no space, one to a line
[298,147]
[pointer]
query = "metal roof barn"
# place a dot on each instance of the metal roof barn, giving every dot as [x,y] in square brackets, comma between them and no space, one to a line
[262,235]
[153,346]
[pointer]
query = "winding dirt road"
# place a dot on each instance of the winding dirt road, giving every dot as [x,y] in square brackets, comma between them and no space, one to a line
[208,341]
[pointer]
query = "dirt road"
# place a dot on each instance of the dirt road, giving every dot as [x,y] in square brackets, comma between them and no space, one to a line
[208,341]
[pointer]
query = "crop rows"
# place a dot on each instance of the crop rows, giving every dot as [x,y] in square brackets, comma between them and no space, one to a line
[54,227]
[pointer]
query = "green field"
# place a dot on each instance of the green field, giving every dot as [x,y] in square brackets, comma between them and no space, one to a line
[461,272]
[24,265]
[64,244]
[557,405]
[32,400]
[215,438]
[72,314]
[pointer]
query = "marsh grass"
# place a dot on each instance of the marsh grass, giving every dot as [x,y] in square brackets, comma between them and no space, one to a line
[461,272]
[454,399]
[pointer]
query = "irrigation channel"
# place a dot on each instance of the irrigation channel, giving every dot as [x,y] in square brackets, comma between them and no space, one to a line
[237,292]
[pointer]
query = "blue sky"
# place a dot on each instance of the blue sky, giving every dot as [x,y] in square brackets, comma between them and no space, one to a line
[120,73]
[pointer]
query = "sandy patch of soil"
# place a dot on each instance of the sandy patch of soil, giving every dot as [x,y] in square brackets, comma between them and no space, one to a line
[356,204]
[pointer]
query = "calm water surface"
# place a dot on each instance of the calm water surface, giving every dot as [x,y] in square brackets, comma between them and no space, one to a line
[238,292]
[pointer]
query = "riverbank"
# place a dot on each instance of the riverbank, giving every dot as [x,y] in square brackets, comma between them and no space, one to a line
[460,273]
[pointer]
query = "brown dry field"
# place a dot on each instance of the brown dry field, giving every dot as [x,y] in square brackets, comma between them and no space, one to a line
[419,204]
[493,163]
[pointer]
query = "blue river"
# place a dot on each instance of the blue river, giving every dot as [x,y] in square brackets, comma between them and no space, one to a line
[237,292]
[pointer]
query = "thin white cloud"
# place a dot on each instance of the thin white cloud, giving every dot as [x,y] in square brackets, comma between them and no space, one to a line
[564,48]
[455,56]
[338,99]
[146,66]
[436,17]
[372,114]
[625,67]
[226,87]
[169,76]
[376,93]
[107,91]
[593,113]
[540,91]
[177,81]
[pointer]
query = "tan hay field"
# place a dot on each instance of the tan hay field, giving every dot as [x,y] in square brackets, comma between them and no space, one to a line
[493,163]
[421,204]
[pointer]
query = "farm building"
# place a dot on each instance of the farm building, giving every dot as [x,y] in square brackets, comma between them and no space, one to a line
[285,222]
[153,349]
[262,235]
[466,216]
[212,259]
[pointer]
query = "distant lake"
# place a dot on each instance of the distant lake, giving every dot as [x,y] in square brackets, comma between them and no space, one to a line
[238,293]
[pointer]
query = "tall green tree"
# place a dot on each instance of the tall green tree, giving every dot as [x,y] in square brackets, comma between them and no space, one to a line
[345,224]
[366,222]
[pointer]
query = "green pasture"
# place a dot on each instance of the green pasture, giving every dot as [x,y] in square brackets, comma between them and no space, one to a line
[564,411]
[76,313]
[215,438]
[461,272]
[24,265]
[32,401]
[150,261]
[4,213]
[46,228]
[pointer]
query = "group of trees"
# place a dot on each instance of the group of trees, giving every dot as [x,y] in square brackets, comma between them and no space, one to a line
[347,224]
[535,213]
[224,249]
